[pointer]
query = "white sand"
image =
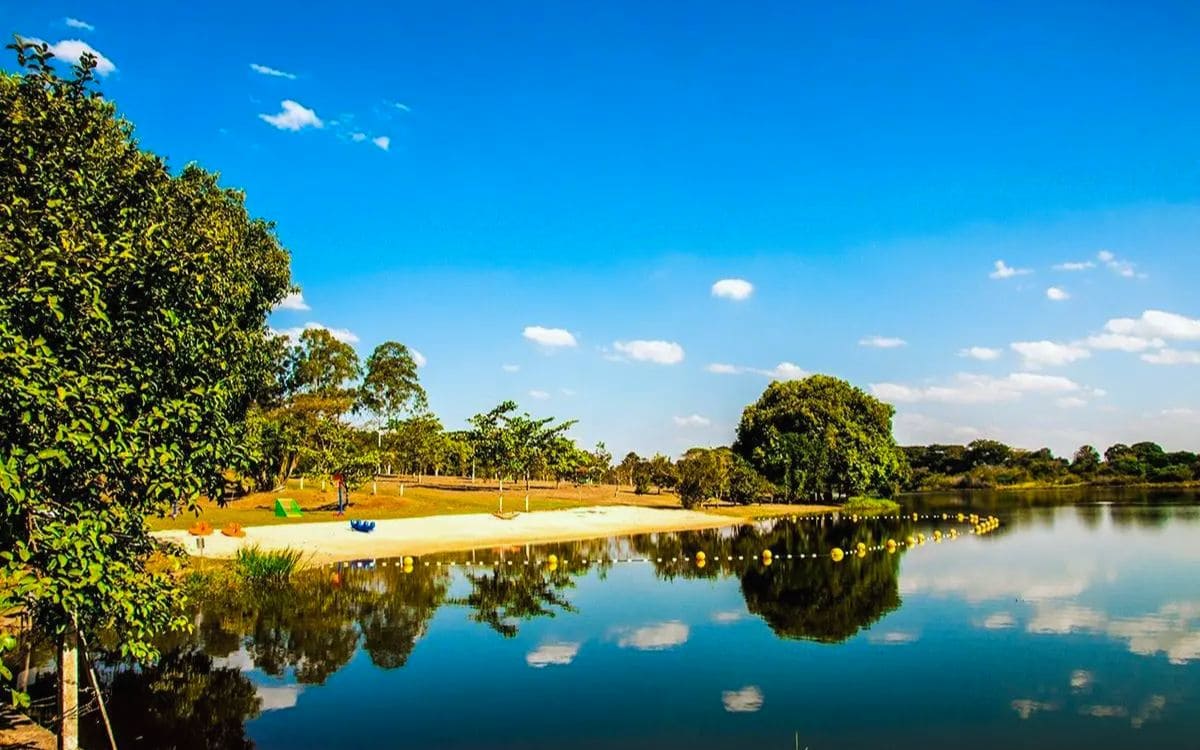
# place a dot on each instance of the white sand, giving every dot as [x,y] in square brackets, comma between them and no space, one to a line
[334,540]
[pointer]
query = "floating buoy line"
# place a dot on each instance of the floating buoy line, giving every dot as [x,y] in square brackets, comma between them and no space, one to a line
[977,526]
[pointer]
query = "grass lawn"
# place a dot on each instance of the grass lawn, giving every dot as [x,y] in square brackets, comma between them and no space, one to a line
[433,497]
[761,510]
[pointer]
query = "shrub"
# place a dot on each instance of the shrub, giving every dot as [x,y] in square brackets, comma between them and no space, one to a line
[870,505]
[256,565]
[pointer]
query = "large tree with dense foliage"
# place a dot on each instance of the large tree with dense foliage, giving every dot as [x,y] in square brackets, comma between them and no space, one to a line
[820,437]
[132,340]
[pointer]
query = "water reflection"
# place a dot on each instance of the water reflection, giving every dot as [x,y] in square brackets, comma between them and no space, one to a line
[1064,622]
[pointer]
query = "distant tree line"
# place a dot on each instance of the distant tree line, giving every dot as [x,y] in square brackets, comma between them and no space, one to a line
[984,464]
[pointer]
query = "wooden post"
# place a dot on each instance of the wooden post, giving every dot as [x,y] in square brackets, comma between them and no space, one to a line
[402,489]
[301,482]
[68,693]
[374,487]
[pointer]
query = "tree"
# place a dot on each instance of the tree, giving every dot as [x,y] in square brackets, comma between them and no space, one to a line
[662,472]
[132,339]
[1086,460]
[821,436]
[702,474]
[391,387]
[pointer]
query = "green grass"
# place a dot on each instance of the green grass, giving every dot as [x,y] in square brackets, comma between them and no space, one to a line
[870,505]
[256,565]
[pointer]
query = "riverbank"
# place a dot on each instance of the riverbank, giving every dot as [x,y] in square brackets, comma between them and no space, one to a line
[332,541]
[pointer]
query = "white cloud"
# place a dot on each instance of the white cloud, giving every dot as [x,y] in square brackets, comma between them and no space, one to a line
[293,301]
[75,23]
[1038,354]
[977,389]
[1004,271]
[1172,357]
[693,420]
[510,368]
[785,371]
[341,334]
[1075,266]
[920,429]
[549,337]
[727,617]
[71,50]
[539,395]
[1071,402]
[1156,324]
[417,357]
[882,342]
[382,142]
[893,638]
[734,289]
[658,637]
[719,368]
[1064,619]
[358,137]
[747,700]
[1123,342]
[983,353]
[658,352]
[294,116]
[402,107]
[274,72]
[1120,267]
[1057,294]
[552,655]
[999,621]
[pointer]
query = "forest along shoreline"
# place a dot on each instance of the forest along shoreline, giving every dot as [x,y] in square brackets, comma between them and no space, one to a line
[334,541]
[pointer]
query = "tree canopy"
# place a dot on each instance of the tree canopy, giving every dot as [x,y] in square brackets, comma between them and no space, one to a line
[820,437]
[132,341]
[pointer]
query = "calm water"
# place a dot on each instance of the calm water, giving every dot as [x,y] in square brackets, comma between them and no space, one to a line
[1069,627]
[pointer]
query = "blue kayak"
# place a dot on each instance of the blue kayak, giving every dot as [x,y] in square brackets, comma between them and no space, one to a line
[365,527]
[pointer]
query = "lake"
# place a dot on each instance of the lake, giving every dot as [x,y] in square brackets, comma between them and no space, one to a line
[1069,626]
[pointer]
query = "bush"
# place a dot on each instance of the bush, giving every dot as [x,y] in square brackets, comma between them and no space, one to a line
[870,505]
[255,565]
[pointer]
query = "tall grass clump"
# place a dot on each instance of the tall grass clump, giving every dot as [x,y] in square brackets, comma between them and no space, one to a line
[870,505]
[255,565]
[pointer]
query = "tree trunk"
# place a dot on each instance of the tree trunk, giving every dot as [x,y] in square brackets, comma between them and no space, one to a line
[68,693]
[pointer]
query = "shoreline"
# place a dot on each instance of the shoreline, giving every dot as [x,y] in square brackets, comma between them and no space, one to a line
[334,541]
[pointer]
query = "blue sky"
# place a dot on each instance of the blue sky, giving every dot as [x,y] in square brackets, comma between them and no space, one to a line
[460,176]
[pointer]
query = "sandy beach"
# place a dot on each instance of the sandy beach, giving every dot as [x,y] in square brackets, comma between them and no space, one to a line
[333,541]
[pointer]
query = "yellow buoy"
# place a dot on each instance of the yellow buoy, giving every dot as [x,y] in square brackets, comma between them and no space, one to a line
[920,538]
[408,561]
[766,555]
[937,536]
[914,516]
[837,554]
[552,559]
[861,552]
[408,568]
[861,547]
[701,562]
[891,545]
[701,557]
[960,517]
[910,540]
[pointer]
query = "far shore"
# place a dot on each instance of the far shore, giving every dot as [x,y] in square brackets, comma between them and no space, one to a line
[334,541]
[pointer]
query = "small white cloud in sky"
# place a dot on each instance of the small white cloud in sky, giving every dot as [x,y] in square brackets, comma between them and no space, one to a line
[658,637]
[274,72]
[358,137]
[294,116]
[1071,402]
[341,334]
[552,655]
[982,353]
[1120,267]
[402,107]
[747,700]
[293,301]
[551,338]
[75,23]
[658,352]
[1005,271]
[1081,265]
[1157,324]
[1057,294]
[1039,354]
[70,50]
[882,342]
[1122,342]
[978,389]
[417,357]
[382,142]
[734,289]
[1172,357]
[692,420]
[720,368]
[785,371]
[539,394]
[510,368]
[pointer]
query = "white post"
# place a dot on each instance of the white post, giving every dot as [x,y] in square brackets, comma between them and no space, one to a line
[527,503]
[68,693]
[374,487]
[402,489]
